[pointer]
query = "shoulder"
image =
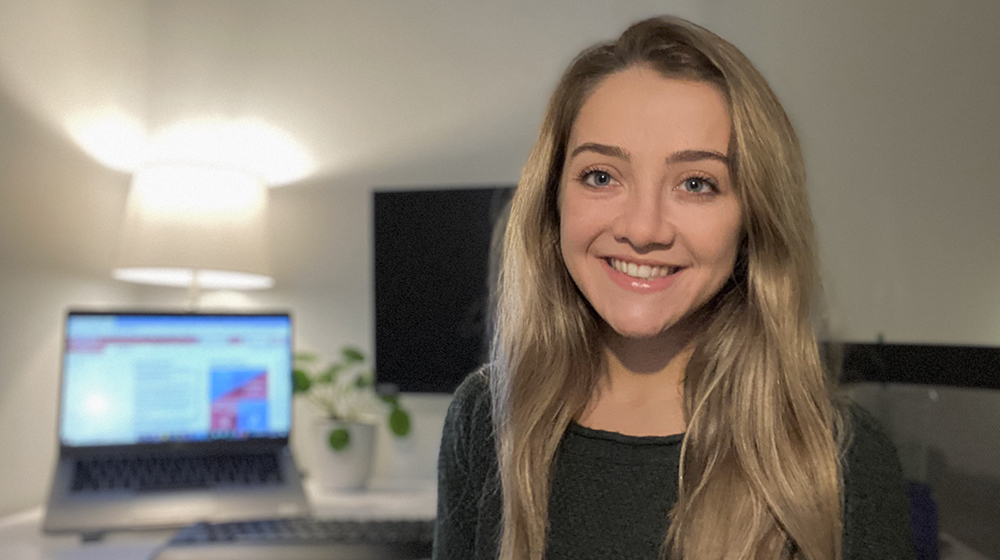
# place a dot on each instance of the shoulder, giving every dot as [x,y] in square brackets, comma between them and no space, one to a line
[870,451]
[469,423]
[876,505]
[474,388]
[471,403]
[466,464]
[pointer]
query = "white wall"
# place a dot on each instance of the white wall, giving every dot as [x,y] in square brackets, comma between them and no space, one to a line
[895,103]
[59,208]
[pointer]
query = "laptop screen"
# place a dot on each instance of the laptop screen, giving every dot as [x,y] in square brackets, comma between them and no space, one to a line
[150,378]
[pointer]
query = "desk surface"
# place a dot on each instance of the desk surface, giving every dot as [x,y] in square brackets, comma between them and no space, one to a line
[21,537]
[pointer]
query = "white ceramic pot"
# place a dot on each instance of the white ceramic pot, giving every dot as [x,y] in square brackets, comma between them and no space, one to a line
[347,468]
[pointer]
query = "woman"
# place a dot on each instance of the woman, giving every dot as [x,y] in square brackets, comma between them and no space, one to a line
[655,388]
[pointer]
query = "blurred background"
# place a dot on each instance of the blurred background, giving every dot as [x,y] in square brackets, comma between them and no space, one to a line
[896,104]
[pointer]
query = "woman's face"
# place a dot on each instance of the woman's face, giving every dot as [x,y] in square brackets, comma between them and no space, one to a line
[649,222]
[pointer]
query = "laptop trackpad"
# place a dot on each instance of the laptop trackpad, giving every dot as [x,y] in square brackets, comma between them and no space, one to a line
[186,509]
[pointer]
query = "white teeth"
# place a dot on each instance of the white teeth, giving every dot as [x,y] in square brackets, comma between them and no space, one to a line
[641,271]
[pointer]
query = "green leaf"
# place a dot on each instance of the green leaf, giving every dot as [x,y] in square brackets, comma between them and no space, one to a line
[391,399]
[339,439]
[300,381]
[399,422]
[305,357]
[352,354]
[330,374]
[365,380]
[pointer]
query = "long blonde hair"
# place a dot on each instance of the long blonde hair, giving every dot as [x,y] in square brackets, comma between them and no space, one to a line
[759,473]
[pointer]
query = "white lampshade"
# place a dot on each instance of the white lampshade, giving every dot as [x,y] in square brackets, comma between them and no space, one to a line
[195,224]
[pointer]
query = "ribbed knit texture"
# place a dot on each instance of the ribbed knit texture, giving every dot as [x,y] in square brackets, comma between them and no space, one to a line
[611,493]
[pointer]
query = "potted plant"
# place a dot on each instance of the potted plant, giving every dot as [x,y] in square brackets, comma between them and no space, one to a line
[343,436]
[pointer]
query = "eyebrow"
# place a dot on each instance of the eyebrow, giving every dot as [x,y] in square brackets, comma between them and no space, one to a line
[683,156]
[603,149]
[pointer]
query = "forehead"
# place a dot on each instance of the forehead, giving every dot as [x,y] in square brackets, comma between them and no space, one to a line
[642,111]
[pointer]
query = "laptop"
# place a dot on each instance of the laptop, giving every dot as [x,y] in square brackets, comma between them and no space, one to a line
[166,419]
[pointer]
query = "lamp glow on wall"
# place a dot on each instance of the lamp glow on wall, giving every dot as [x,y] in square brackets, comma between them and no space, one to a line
[196,226]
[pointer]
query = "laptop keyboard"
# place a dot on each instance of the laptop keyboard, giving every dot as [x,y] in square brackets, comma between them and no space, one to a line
[307,531]
[302,539]
[175,473]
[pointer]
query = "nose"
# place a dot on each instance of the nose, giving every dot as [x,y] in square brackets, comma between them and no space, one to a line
[644,220]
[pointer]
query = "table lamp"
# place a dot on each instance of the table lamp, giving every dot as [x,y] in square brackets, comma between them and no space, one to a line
[195,226]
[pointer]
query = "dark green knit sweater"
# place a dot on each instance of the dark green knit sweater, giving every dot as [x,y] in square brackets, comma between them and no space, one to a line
[611,493]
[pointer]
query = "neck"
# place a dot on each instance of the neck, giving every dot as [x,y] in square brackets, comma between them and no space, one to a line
[641,392]
[662,356]
[650,366]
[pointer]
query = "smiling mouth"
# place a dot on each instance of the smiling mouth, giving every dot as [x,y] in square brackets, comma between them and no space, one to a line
[641,271]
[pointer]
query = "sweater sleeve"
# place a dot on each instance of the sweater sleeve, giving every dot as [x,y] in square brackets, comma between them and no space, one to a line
[459,483]
[876,506]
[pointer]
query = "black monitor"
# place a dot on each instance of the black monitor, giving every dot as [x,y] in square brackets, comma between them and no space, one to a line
[928,364]
[436,256]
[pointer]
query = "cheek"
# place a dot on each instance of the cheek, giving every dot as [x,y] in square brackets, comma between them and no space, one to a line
[573,220]
[715,240]
[577,232]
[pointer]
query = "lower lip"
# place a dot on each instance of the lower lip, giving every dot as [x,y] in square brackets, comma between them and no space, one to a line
[640,285]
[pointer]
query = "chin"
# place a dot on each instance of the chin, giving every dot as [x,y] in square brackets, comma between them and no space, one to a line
[638,330]
[640,335]
[640,326]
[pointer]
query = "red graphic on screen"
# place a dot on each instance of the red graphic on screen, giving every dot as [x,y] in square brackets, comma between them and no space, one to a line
[243,407]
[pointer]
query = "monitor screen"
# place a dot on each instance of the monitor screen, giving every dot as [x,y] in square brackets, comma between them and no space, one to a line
[931,364]
[148,378]
[436,257]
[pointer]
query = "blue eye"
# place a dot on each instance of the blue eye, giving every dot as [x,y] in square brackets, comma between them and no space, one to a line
[698,185]
[597,178]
